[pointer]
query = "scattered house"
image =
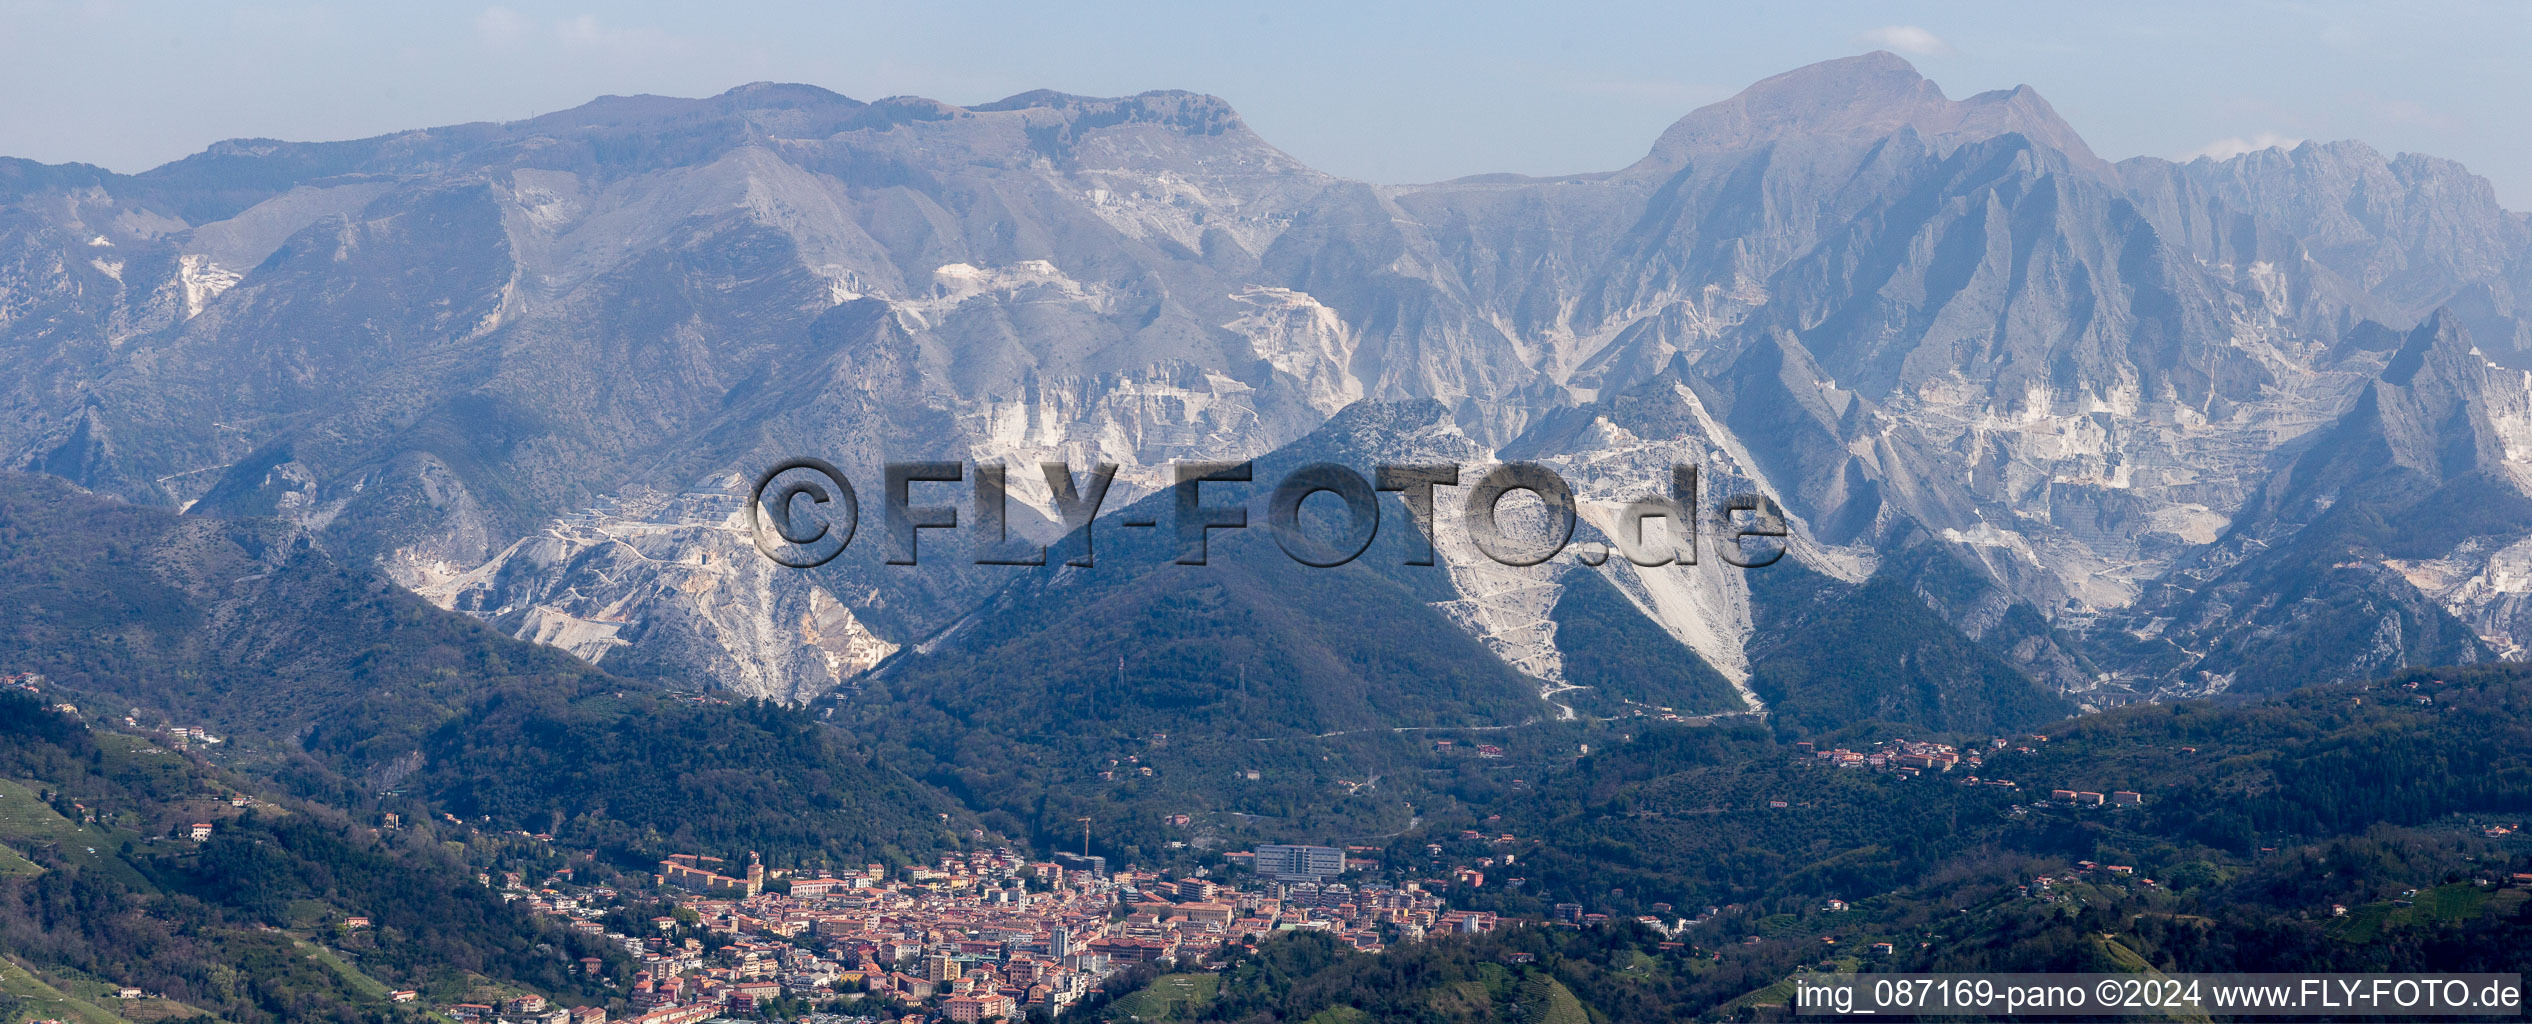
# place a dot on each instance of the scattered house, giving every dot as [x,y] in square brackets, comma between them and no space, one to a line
[1834,905]
[201,831]
[2127,798]
[2088,799]
[356,922]
[1881,949]
[127,992]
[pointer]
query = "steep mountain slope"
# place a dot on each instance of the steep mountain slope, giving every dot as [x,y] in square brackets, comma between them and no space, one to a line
[242,624]
[2356,557]
[1835,654]
[634,297]
[353,687]
[528,367]
[1249,662]
[2394,238]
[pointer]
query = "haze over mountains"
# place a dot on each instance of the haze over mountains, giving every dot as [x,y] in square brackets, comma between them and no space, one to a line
[2073,427]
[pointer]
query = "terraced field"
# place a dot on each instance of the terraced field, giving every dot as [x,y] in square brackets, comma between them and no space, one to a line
[45,1001]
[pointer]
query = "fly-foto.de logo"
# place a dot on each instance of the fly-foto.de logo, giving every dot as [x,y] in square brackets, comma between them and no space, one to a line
[804,512]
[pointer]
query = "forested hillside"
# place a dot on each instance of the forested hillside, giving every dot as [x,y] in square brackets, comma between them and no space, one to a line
[347,688]
[2354,827]
[249,925]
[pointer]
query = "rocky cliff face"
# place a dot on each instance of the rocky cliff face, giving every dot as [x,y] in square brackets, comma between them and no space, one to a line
[2381,542]
[528,366]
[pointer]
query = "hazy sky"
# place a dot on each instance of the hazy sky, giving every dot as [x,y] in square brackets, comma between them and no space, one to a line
[1391,92]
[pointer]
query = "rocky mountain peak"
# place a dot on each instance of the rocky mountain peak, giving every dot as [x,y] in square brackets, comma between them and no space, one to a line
[1862,97]
[782,96]
[1911,319]
[2439,406]
[2437,348]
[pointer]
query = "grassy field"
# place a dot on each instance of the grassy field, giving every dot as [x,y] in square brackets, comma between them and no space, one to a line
[12,864]
[26,821]
[1171,997]
[24,817]
[352,976]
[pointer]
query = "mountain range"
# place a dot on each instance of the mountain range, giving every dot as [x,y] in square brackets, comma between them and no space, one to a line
[2048,430]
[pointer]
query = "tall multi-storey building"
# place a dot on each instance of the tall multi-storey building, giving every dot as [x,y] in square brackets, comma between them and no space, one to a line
[1300,863]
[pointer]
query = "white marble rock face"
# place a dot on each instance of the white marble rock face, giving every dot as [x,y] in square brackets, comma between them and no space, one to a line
[526,366]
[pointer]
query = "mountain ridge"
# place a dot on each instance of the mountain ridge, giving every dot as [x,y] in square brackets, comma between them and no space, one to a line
[524,366]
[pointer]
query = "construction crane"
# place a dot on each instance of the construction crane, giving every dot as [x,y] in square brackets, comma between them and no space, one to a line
[1085,837]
